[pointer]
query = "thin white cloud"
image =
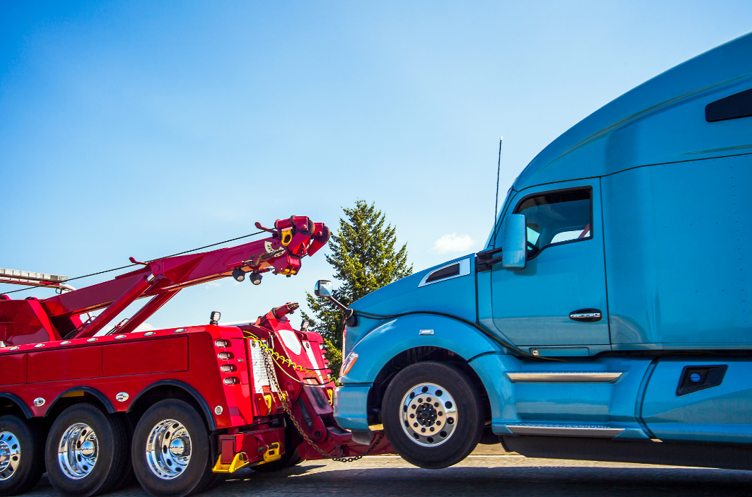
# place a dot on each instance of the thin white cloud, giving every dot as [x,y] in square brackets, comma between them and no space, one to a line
[452,242]
[144,327]
[212,284]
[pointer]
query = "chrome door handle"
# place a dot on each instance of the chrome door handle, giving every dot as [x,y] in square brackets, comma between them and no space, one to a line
[586,315]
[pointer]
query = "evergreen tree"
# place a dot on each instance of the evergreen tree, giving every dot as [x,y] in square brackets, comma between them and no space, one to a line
[364,258]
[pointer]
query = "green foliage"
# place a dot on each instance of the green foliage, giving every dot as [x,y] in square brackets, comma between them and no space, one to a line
[364,258]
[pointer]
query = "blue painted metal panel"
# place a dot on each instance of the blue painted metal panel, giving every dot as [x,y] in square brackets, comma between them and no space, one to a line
[401,334]
[718,414]
[678,264]
[351,406]
[611,404]
[455,296]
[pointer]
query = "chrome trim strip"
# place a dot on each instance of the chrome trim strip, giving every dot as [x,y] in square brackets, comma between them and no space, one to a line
[566,431]
[464,271]
[571,377]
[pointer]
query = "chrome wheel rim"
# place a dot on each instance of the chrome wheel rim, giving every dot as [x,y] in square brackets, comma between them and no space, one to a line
[429,414]
[10,454]
[168,449]
[78,451]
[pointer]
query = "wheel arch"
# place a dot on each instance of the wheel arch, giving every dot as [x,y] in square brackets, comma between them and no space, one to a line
[67,398]
[413,356]
[384,343]
[13,404]
[410,339]
[174,389]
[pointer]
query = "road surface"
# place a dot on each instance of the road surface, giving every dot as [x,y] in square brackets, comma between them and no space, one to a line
[478,475]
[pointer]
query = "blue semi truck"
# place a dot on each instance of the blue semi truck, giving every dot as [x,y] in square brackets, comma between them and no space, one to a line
[609,316]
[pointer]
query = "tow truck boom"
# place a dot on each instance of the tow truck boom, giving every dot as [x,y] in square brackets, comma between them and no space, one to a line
[161,279]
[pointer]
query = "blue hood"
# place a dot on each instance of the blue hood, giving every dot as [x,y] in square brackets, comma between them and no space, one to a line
[454,295]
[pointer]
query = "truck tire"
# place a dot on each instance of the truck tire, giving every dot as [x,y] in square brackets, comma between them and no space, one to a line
[86,451]
[171,450]
[432,415]
[22,459]
[127,478]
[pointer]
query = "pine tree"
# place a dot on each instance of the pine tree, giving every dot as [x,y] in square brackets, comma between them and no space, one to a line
[364,258]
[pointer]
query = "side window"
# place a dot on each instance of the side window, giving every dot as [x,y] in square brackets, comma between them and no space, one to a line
[556,217]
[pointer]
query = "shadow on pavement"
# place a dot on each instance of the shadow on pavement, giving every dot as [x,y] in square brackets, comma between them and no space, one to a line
[523,481]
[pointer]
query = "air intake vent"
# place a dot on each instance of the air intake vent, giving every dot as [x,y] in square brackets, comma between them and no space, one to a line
[446,272]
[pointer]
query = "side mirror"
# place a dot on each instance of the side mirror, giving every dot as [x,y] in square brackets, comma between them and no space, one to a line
[514,242]
[323,288]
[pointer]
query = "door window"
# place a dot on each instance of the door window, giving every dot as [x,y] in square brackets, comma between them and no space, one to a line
[556,217]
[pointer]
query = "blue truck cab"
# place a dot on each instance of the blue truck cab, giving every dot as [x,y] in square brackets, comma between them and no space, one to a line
[609,316]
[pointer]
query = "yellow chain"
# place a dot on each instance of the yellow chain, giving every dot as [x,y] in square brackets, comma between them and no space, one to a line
[285,361]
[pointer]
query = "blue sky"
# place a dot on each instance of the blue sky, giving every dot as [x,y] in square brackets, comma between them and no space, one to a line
[146,128]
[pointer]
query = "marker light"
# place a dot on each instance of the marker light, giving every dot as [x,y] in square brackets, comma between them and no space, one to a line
[225,356]
[230,381]
[222,343]
[227,368]
[348,363]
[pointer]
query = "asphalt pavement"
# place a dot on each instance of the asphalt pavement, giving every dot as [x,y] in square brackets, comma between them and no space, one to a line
[478,475]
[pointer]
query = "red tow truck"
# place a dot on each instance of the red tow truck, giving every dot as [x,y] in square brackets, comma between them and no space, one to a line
[176,408]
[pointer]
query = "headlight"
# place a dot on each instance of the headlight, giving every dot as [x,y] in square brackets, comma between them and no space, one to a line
[348,363]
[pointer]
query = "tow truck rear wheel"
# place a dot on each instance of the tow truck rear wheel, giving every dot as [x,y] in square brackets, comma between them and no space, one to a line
[21,455]
[171,451]
[86,451]
[432,415]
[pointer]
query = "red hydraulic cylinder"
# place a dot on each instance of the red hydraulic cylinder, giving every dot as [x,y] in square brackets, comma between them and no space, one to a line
[146,311]
[115,308]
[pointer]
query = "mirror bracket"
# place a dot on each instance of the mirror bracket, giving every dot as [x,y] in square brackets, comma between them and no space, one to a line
[485,259]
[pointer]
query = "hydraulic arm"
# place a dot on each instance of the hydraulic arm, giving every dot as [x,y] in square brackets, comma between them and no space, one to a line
[161,279]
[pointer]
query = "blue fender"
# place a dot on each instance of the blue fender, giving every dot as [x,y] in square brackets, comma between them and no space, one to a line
[401,334]
[390,339]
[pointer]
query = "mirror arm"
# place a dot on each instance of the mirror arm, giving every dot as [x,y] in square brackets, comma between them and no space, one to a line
[350,318]
[485,255]
[485,259]
[481,266]
[339,305]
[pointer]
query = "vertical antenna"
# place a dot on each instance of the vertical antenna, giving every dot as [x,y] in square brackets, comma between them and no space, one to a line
[498,173]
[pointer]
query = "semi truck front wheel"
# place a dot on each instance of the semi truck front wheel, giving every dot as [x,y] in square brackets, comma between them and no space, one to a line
[432,415]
